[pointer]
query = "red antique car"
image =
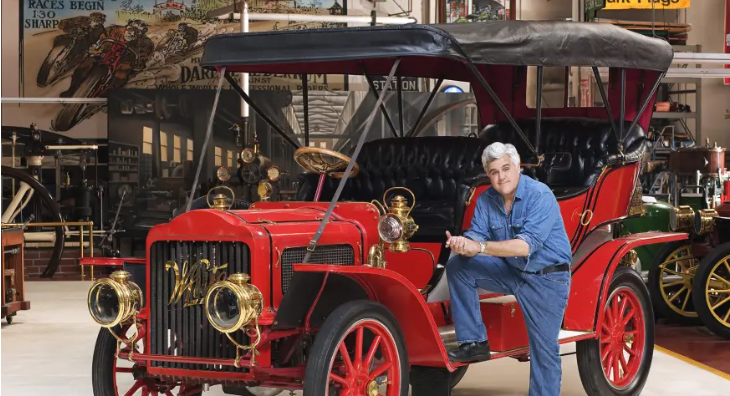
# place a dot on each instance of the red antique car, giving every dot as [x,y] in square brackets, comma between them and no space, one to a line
[337,294]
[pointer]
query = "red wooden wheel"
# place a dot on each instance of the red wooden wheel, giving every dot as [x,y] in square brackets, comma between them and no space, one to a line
[359,350]
[622,337]
[617,362]
[358,373]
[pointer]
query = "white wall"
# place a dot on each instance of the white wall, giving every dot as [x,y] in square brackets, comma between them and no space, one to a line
[707,19]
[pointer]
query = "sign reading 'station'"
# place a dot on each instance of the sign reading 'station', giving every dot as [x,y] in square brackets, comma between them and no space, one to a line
[646,4]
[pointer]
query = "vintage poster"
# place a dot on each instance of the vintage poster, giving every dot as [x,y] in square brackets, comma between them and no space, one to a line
[646,4]
[84,49]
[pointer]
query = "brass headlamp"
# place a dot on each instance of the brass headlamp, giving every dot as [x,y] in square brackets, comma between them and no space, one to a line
[234,304]
[705,221]
[397,226]
[114,300]
[220,200]
[681,218]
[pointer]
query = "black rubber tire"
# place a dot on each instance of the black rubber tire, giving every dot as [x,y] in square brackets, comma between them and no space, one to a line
[699,290]
[102,364]
[316,377]
[588,351]
[458,375]
[660,306]
[47,201]
[67,118]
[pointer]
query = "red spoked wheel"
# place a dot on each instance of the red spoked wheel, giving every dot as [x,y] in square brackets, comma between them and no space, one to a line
[120,377]
[618,362]
[358,351]
[622,337]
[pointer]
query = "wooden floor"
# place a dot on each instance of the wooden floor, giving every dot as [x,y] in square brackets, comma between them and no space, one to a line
[696,343]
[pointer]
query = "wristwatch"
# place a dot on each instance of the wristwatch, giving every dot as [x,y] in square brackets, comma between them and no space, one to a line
[482,247]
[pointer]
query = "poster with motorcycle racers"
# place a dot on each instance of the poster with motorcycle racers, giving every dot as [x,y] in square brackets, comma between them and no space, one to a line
[84,49]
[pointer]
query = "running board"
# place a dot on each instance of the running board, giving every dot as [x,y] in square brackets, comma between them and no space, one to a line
[448,337]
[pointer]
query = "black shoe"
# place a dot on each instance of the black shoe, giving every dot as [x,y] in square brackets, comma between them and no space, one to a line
[471,352]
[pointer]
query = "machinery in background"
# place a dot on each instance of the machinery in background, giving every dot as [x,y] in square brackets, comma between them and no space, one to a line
[689,280]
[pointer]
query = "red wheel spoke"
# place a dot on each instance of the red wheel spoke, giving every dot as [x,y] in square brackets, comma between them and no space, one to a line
[145,392]
[134,388]
[379,371]
[371,352]
[606,352]
[607,366]
[624,364]
[609,318]
[605,341]
[616,315]
[629,350]
[358,347]
[628,317]
[622,309]
[337,378]
[616,375]
[346,358]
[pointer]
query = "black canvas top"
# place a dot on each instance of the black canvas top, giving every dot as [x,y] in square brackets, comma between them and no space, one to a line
[538,43]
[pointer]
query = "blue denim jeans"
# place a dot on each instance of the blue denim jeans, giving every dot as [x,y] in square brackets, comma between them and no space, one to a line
[542,298]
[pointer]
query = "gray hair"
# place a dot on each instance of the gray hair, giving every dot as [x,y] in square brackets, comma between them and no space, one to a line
[496,151]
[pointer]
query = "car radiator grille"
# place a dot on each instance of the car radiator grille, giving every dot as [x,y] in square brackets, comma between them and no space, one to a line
[176,330]
[326,254]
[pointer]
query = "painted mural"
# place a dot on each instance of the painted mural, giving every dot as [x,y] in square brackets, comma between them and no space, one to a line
[84,49]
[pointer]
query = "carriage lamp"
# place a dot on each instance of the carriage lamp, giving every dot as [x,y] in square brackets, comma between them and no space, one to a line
[223,174]
[681,218]
[234,304]
[114,300]
[397,226]
[220,201]
[273,173]
[265,189]
[705,221]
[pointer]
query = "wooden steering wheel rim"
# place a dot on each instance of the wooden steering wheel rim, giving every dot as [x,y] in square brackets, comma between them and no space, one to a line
[302,155]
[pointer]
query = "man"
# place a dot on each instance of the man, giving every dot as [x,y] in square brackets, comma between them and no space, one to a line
[133,48]
[516,245]
[189,35]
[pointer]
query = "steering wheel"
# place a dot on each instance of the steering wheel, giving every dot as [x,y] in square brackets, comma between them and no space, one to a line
[321,161]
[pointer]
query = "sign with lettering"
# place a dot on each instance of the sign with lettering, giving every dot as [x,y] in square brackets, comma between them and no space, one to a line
[84,49]
[644,4]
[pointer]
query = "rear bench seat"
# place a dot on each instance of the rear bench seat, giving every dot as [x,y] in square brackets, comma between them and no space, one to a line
[441,170]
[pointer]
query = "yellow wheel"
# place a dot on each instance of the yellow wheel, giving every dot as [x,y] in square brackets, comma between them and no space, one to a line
[712,290]
[671,281]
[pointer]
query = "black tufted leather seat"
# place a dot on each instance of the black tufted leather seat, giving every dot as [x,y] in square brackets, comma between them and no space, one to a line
[590,142]
[439,170]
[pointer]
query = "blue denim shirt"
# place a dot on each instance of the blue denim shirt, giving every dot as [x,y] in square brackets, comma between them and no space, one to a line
[535,218]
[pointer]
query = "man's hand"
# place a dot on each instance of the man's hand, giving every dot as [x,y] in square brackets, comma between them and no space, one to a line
[462,245]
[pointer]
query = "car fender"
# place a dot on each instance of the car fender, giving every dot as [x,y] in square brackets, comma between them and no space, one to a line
[404,301]
[591,277]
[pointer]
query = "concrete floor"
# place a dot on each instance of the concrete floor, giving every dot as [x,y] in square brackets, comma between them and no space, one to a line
[47,351]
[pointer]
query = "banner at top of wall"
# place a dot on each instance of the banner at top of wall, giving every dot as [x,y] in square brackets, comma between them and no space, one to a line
[646,4]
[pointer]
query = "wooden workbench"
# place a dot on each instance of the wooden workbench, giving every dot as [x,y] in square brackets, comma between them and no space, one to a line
[13,282]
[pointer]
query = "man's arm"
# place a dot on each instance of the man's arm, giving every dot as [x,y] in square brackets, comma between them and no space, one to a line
[538,223]
[541,216]
[478,230]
